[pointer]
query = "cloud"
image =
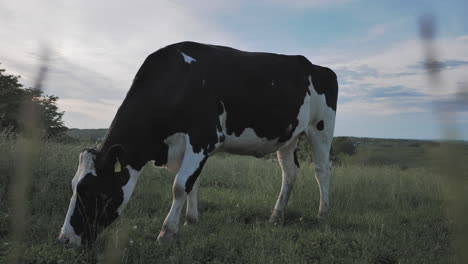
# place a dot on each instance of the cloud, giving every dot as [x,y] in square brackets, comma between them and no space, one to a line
[384,101]
[376,107]
[96,47]
[377,31]
[208,6]
[88,114]
[454,63]
[440,65]
[393,80]
[394,92]
[457,102]
[309,3]
[348,74]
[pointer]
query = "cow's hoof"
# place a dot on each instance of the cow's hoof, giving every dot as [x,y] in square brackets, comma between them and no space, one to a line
[277,218]
[323,214]
[166,236]
[190,220]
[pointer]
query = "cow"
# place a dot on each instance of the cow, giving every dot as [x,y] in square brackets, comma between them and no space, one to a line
[189,101]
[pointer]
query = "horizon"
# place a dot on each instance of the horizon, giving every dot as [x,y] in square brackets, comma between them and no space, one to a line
[416,139]
[375,49]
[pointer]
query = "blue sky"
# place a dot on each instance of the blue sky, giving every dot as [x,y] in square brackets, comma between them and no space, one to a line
[374,46]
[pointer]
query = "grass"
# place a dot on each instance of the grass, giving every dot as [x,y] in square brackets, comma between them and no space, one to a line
[380,214]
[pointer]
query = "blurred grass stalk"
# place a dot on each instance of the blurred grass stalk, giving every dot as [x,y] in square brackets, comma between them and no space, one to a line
[27,145]
[116,248]
[449,161]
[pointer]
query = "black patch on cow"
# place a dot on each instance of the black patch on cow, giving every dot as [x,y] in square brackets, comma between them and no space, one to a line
[191,180]
[325,82]
[296,160]
[320,125]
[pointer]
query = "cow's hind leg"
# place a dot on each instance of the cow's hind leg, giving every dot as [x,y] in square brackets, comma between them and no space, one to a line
[320,136]
[289,171]
[184,182]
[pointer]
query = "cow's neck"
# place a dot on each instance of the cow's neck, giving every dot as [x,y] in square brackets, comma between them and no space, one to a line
[136,154]
[134,128]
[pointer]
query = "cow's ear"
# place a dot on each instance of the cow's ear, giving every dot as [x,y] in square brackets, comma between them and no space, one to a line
[115,157]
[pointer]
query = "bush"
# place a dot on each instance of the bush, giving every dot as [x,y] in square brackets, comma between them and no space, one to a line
[343,145]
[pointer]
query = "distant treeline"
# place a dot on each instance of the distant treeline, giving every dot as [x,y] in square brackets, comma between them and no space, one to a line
[404,153]
[87,135]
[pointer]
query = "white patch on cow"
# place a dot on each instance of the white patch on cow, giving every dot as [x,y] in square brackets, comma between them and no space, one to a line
[304,116]
[273,83]
[249,143]
[175,153]
[191,162]
[321,142]
[128,188]
[312,110]
[220,134]
[222,116]
[191,158]
[85,167]
[67,232]
[187,58]
[222,120]
[320,109]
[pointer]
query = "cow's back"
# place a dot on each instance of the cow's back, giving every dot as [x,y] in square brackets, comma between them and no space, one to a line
[199,89]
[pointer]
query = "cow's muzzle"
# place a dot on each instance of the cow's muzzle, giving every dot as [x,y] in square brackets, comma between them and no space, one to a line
[68,241]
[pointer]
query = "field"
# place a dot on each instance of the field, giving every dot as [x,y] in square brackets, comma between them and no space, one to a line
[389,212]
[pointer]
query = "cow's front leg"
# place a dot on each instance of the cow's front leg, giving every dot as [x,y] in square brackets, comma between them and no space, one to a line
[289,172]
[184,182]
[191,215]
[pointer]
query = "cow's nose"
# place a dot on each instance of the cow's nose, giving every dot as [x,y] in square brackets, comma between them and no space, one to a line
[63,240]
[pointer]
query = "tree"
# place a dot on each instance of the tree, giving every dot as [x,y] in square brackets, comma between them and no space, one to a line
[51,117]
[13,95]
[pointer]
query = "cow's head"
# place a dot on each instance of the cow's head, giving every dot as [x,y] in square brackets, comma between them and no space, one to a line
[101,188]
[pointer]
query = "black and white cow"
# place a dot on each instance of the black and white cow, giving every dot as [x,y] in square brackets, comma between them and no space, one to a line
[189,101]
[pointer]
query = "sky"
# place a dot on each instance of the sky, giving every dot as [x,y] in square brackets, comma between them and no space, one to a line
[96,47]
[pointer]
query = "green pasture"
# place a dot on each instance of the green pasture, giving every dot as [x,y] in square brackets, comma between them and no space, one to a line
[380,214]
